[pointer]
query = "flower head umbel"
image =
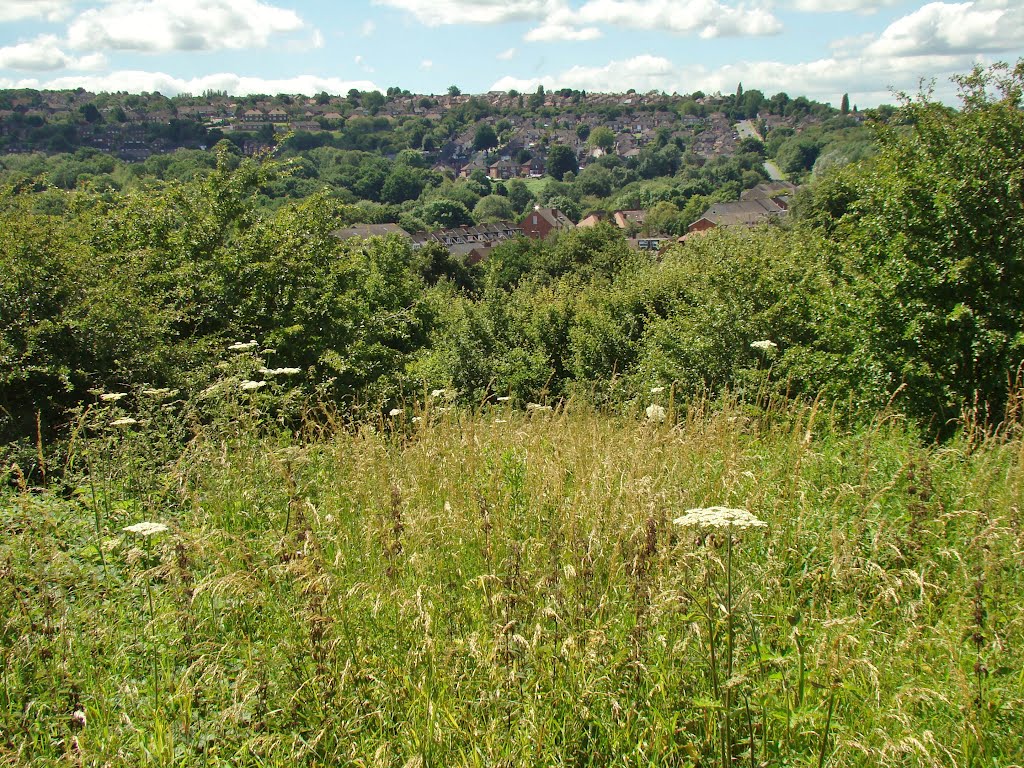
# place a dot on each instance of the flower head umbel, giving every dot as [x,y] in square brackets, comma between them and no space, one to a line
[252,386]
[112,397]
[125,421]
[765,345]
[719,517]
[145,529]
[655,412]
[243,346]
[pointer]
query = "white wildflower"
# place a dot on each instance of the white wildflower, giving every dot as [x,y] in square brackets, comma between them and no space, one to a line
[163,392]
[504,399]
[417,419]
[287,371]
[145,529]
[764,345]
[243,346]
[112,397]
[439,393]
[268,351]
[395,412]
[126,421]
[657,390]
[655,412]
[252,386]
[78,719]
[537,407]
[719,517]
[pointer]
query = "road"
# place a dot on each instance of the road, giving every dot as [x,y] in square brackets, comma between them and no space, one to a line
[746,130]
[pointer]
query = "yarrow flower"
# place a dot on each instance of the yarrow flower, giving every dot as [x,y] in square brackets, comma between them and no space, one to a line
[126,421]
[395,412]
[252,386]
[657,390]
[764,345]
[655,412]
[503,399]
[719,517]
[280,371]
[439,393]
[243,346]
[537,407]
[112,397]
[145,529]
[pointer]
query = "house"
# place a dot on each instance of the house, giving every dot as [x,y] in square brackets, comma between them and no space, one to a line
[543,222]
[534,169]
[743,213]
[503,170]
[631,220]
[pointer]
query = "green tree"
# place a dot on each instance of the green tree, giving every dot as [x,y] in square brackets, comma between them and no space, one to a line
[485,137]
[454,90]
[932,235]
[445,214]
[602,138]
[561,159]
[493,208]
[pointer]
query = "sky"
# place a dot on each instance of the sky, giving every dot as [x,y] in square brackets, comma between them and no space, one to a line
[817,48]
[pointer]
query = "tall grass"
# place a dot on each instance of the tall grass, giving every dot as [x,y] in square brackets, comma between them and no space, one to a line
[501,588]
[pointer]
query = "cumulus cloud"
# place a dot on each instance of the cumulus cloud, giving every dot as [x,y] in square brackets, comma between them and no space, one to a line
[135,81]
[368,28]
[841,6]
[704,17]
[50,10]
[953,28]
[180,25]
[435,13]
[426,64]
[507,55]
[42,54]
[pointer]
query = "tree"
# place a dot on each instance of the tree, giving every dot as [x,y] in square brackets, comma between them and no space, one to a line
[602,138]
[454,90]
[493,208]
[446,213]
[485,137]
[561,159]
[844,107]
[934,246]
[519,195]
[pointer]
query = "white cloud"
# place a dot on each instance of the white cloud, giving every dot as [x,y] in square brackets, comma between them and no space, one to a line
[707,18]
[553,32]
[237,85]
[180,25]
[368,28]
[42,54]
[426,64]
[361,63]
[837,6]
[51,10]
[435,13]
[953,28]
[507,55]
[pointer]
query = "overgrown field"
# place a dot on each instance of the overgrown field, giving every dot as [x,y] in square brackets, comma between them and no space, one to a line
[510,588]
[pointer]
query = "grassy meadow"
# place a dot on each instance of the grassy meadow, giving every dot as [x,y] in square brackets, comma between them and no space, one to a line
[499,587]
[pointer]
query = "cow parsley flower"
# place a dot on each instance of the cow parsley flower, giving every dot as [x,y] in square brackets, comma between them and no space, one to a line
[395,412]
[765,345]
[657,390]
[243,346]
[655,412]
[145,529]
[252,386]
[112,397]
[125,421]
[719,517]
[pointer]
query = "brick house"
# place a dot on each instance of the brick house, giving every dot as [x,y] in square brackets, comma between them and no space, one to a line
[542,222]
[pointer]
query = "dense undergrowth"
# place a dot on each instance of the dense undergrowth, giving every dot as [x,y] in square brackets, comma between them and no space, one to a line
[503,588]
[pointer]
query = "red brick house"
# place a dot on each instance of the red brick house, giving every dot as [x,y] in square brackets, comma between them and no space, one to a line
[542,222]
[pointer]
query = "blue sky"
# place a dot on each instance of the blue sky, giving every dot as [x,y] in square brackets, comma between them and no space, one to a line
[817,48]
